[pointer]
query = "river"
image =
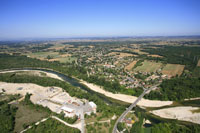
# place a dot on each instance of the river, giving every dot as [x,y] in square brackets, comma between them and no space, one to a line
[68,79]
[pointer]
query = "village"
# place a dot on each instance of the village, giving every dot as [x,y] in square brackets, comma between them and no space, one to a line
[125,65]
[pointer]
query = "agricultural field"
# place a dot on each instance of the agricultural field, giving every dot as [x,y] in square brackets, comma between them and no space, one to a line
[64,59]
[59,46]
[53,56]
[198,64]
[130,66]
[149,66]
[173,69]
[121,54]
[125,55]
[154,55]
[138,51]
[43,55]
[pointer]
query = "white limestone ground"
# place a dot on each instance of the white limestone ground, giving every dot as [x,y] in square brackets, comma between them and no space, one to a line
[183,113]
[52,97]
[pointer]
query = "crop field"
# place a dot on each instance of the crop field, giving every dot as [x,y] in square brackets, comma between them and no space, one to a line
[43,55]
[138,51]
[130,66]
[125,55]
[154,55]
[198,64]
[173,69]
[57,46]
[55,56]
[64,59]
[120,54]
[149,66]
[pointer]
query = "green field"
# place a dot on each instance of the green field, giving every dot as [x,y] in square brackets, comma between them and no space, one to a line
[43,55]
[55,56]
[173,69]
[67,59]
[52,126]
[26,116]
[149,66]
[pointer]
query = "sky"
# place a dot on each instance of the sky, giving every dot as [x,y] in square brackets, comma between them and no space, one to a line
[98,18]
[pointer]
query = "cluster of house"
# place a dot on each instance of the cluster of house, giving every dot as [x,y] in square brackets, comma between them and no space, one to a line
[129,122]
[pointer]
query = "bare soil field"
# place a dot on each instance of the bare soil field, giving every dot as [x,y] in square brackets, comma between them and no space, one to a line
[153,55]
[119,54]
[56,59]
[126,54]
[173,69]
[138,51]
[64,59]
[198,64]
[149,66]
[130,66]
[65,55]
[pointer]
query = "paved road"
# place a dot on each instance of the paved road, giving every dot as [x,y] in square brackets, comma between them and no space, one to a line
[82,122]
[131,107]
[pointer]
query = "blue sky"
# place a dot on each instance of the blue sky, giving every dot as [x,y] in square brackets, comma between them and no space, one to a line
[91,18]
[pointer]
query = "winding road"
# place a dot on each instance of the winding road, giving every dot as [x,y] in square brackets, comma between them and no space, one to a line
[131,107]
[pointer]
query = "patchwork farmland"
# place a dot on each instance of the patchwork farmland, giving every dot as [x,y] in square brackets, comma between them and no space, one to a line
[173,69]
[130,66]
[198,64]
[149,66]
[53,56]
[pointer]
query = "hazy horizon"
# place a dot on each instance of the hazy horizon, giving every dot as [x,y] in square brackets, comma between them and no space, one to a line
[22,19]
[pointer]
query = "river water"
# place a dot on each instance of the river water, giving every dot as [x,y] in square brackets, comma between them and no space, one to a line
[70,80]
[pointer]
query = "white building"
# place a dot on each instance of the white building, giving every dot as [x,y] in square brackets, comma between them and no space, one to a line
[69,111]
[94,106]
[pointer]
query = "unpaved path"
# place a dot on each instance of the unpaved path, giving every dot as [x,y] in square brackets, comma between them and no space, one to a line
[77,125]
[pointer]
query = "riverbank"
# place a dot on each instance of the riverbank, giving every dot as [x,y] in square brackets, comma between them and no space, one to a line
[126,98]
[47,74]
[98,89]
[180,113]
